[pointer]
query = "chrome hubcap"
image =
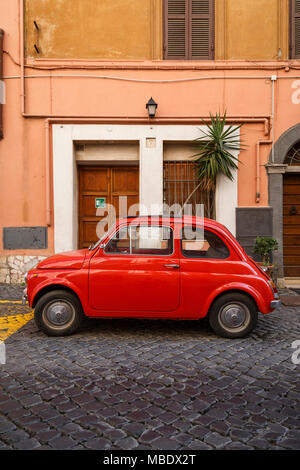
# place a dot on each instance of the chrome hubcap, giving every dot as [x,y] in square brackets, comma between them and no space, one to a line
[59,313]
[234,316]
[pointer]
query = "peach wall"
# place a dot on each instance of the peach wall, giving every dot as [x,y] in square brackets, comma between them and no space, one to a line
[22,151]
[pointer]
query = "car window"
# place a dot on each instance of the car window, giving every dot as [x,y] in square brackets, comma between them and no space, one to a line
[202,243]
[142,240]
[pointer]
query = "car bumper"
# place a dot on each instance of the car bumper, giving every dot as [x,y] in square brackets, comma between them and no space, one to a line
[24,296]
[275,304]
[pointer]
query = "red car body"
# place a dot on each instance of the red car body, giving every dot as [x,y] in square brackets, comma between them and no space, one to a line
[153,286]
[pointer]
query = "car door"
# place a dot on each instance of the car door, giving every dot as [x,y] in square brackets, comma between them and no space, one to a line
[137,271]
[206,264]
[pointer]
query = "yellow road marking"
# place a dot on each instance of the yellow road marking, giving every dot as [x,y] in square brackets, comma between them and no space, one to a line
[12,323]
[10,301]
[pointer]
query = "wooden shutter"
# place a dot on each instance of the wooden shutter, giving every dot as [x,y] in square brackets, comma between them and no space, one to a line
[295,29]
[176,28]
[201,35]
[189,29]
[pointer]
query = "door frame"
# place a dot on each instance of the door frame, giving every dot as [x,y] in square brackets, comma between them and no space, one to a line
[151,139]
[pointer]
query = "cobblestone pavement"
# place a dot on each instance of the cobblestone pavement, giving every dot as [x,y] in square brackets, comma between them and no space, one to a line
[128,384]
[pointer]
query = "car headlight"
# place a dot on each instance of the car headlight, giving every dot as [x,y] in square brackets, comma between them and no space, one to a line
[25,277]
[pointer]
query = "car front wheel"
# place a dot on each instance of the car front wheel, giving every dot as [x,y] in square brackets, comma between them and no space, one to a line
[58,313]
[233,315]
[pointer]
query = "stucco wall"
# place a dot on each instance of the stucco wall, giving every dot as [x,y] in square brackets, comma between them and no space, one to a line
[102,29]
[133,29]
[252,29]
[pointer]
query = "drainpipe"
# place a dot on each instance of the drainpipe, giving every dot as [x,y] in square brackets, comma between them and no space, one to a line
[22,57]
[273,80]
[47,173]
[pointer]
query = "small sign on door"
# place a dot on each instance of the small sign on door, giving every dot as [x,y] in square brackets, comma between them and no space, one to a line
[100,202]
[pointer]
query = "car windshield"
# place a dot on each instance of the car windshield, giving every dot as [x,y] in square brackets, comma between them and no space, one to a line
[96,244]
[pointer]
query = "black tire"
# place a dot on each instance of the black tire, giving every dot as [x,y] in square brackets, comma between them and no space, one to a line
[233,315]
[58,313]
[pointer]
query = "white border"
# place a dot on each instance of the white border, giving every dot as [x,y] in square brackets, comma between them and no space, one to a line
[151,172]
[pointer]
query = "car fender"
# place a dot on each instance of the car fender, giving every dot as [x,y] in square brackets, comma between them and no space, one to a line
[54,284]
[257,297]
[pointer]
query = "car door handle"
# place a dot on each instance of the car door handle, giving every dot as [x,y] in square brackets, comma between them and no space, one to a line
[175,266]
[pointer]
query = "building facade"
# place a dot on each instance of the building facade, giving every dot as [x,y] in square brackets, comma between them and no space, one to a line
[76,76]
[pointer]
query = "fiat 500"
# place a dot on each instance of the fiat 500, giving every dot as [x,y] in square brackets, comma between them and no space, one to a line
[159,267]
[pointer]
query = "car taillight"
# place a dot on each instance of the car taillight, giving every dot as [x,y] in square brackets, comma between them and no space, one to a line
[274,288]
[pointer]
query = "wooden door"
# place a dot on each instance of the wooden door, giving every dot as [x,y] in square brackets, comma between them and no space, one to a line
[291,225]
[103,182]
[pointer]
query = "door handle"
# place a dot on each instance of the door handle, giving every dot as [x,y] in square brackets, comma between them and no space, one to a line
[176,266]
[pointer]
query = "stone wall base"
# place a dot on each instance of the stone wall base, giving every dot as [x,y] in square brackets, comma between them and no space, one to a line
[13,268]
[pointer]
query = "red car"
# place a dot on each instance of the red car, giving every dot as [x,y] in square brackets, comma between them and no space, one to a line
[153,267]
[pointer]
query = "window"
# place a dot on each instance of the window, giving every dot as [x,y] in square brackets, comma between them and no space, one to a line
[142,240]
[202,243]
[181,184]
[295,29]
[189,29]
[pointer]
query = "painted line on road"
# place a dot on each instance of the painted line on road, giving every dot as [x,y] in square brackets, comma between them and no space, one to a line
[10,301]
[12,323]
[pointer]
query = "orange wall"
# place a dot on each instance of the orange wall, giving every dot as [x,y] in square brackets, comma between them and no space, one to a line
[252,29]
[133,29]
[22,151]
[101,29]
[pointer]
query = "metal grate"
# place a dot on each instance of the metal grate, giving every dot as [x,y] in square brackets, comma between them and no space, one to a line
[180,183]
[293,155]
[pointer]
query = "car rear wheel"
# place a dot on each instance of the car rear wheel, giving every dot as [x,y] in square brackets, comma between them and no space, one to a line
[58,313]
[233,315]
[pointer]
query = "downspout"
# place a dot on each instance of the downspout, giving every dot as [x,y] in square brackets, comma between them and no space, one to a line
[47,173]
[22,58]
[273,79]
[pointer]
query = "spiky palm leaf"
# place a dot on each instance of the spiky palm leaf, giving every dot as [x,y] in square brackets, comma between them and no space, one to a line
[215,147]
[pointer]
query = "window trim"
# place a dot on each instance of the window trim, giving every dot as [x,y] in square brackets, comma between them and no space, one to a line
[188,38]
[200,258]
[140,254]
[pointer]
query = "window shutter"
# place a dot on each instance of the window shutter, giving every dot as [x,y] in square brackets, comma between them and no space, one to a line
[176,44]
[295,29]
[200,43]
[189,29]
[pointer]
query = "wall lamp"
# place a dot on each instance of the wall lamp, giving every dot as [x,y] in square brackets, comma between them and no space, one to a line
[151,107]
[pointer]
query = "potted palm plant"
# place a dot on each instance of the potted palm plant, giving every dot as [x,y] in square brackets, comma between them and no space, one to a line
[214,155]
[264,246]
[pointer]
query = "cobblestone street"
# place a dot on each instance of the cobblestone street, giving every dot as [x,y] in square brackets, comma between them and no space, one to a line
[128,384]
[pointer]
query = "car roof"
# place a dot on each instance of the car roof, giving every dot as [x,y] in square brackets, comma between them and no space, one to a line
[190,219]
